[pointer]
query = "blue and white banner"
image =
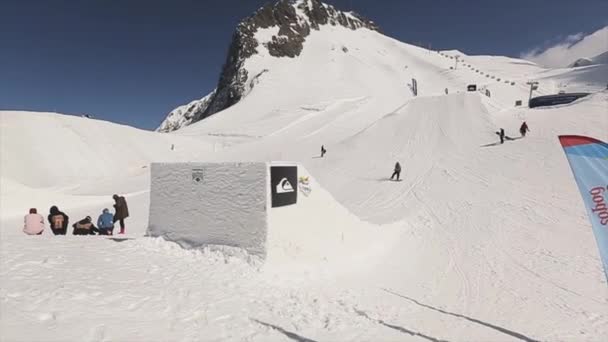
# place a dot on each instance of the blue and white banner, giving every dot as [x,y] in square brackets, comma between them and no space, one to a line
[588,159]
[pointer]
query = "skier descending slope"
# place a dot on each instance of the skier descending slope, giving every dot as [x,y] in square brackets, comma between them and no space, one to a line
[397,171]
[323,151]
[501,134]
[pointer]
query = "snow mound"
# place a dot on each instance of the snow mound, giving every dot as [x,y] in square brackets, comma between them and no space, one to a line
[70,155]
[599,59]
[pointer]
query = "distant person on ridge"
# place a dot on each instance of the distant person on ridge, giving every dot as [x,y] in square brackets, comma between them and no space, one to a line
[323,151]
[58,221]
[105,223]
[524,129]
[33,223]
[121,211]
[397,171]
[84,227]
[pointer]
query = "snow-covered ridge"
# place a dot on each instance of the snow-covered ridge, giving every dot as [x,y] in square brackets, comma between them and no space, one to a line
[280,30]
[599,59]
[183,115]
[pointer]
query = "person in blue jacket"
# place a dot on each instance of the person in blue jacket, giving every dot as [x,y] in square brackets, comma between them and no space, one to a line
[105,223]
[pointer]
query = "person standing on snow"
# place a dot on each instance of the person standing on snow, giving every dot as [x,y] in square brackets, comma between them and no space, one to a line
[397,171]
[105,223]
[33,223]
[121,211]
[501,134]
[524,129]
[58,221]
[323,151]
[84,227]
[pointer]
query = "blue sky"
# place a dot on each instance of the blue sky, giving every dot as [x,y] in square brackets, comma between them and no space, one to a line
[133,61]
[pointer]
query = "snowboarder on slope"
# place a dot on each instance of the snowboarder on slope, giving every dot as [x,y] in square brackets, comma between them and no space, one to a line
[105,223]
[501,134]
[397,171]
[121,211]
[84,227]
[524,129]
[323,151]
[58,221]
[33,223]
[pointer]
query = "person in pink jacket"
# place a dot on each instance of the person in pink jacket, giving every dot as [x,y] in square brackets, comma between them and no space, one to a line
[33,223]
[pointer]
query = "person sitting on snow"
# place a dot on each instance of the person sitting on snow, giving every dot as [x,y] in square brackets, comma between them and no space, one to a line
[84,227]
[33,223]
[105,223]
[58,221]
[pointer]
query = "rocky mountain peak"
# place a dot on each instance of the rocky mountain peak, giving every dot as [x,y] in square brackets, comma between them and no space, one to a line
[295,20]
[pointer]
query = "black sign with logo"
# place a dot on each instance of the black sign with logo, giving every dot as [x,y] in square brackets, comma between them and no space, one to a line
[283,185]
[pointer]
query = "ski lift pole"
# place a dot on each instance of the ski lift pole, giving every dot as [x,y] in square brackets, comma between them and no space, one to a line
[533,86]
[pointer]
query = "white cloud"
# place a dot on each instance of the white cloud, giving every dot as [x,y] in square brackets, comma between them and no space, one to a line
[569,49]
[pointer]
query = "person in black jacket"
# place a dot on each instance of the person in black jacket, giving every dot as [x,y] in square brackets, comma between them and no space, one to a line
[121,211]
[524,129]
[501,135]
[397,171]
[58,221]
[85,227]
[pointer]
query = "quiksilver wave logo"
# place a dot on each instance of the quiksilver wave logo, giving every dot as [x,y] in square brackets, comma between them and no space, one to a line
[284,187]
[599,201]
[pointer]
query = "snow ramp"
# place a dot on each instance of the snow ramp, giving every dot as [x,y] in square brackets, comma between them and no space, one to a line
[275,211]
[433,138]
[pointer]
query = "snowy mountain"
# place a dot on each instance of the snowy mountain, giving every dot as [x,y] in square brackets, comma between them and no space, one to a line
[572,49]
[480,241]
[279,29]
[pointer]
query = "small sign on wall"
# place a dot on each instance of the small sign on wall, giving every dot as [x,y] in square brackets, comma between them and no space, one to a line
[197,175]
[304,185]
[283,185]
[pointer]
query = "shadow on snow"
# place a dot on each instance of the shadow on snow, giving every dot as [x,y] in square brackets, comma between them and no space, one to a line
[398,328]
[289,334]
[485,324]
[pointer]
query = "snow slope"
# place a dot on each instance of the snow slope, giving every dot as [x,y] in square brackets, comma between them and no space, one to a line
[58,156]
[479,241]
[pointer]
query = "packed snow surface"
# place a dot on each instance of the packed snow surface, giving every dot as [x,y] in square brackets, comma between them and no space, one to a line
[478,242]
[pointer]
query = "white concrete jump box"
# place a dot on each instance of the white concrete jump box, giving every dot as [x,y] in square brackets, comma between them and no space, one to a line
[226,204]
